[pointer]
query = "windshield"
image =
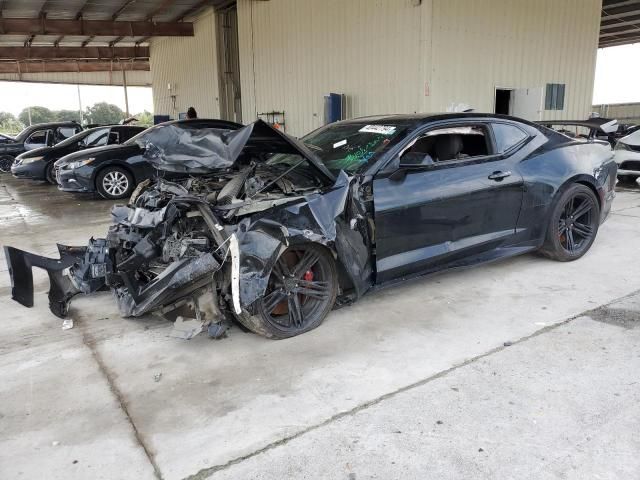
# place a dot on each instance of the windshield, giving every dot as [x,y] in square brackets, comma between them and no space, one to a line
[76,138]
[23,135]
[140,139]
[346,146]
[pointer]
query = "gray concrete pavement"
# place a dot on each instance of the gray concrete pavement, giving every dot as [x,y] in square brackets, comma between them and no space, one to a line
[218,404]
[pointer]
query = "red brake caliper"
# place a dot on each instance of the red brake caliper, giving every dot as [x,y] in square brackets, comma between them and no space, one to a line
[308,276]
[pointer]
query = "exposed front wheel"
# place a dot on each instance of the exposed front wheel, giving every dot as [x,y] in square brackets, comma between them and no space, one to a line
[301,292]
[114,183]
[573,224]
[5,163]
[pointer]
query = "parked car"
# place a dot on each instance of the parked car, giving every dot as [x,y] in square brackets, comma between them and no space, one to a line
[273,231]
[4,138]
[35,136]
[627,156]
[114,170]
[37,164]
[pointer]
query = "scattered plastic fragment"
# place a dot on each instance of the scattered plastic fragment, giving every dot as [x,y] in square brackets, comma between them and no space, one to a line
[67,324]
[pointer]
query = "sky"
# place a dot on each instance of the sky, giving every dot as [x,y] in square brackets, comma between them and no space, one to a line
[617,81]
[14,96]
[617,75]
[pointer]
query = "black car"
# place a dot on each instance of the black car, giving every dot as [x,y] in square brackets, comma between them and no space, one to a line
[37,164]
[273,232]
[115,170]
[35,136]
[4,138]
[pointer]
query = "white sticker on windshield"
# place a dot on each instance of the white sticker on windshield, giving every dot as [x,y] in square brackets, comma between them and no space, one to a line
[339,144]
[380,129]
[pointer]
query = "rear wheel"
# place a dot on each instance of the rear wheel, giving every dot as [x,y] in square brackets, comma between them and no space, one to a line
[5,163]
[301,292]
[573,224]
[114,183]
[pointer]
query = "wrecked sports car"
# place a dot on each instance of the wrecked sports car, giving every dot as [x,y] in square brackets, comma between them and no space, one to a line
[273,232]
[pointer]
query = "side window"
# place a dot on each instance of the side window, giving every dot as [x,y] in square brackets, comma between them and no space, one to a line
[97,138]
[507,136]
[65,132]
[114,137]
[37,139]
[449,143]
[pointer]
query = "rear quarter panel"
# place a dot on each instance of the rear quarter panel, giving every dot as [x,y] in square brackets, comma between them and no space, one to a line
[551,169]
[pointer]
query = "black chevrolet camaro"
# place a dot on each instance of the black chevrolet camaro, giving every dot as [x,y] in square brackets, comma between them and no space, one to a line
[273,232]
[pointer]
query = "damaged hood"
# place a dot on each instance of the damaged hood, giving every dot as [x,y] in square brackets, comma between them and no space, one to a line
[173,148]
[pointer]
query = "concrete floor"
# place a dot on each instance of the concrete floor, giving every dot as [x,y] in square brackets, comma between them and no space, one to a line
[411,382]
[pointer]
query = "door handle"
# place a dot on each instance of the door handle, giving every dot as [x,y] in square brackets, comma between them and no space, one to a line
[499,176]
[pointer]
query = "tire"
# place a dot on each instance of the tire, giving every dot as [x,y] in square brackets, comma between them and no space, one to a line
[311,264]
[49,174]
[627,179]
[114,183]
[573,224]
[5,163]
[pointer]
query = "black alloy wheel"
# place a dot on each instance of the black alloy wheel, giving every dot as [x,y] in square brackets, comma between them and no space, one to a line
[573,225]
[6,161]
[301,292]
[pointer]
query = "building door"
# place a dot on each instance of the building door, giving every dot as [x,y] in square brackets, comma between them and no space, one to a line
[229,64]
[503,101]
[527,103]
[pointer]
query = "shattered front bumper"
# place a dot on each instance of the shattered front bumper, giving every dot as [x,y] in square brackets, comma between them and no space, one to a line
[89,269]
[61,288]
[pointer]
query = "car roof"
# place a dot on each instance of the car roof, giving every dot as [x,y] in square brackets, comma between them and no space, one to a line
[54,124]
[417,119]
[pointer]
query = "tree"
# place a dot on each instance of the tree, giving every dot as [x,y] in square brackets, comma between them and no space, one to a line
[9,123]
[38,115]
[145,119]
[104,113]
[67,115]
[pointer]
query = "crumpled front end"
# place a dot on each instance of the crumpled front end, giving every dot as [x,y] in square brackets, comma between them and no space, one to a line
[200,250]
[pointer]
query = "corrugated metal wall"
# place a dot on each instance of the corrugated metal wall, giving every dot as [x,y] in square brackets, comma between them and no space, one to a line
[292,52]
[135,78]
[393,56]
[623,112]
[189,64]
[482,44]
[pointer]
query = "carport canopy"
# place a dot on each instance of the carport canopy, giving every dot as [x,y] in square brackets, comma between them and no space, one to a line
[42,36]
[619,22]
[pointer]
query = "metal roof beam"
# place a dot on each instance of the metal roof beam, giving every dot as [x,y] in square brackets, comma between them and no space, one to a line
[72,66]
[612,42]
[46,26]
[49,53]
[618,3]
[189,11]
[614,23]
[618,32]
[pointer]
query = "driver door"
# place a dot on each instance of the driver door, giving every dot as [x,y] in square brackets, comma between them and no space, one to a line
[38,139]
[463,199]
